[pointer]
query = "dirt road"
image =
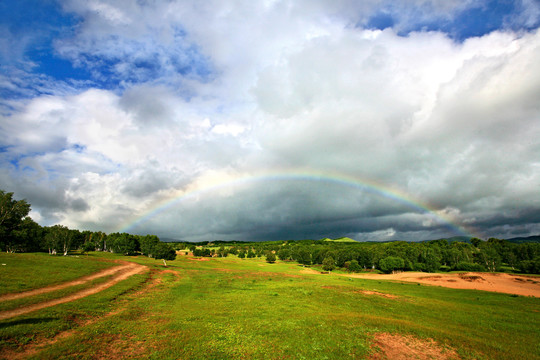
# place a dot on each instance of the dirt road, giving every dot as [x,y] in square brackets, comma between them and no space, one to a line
[118,273]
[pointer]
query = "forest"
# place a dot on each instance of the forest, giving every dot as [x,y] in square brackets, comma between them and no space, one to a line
[430,256]
[19,233]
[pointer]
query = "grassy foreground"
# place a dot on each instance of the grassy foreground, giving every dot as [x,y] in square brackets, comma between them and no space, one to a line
[246,309]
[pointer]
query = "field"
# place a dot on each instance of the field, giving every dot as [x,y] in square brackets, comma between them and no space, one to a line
[231,308]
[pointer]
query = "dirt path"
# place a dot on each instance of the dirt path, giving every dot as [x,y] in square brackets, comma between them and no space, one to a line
[503,283]
[30,350]
[119,273]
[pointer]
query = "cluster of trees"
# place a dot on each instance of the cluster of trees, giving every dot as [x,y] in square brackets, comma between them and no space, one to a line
[206,250]
[19,233]
[437,255]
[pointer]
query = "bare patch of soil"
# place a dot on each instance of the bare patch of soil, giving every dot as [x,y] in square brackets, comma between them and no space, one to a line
[120,273]
[404,347]
[199,259]
[385,295]
[503,283]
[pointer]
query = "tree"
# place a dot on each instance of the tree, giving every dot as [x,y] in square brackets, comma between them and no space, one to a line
[390,264]
[284,254]
[328,264]
[58,238]
[148,243]
[12,213]
[475,241]
[270,257]
[354,266]
[164,251]
[124,243]
[303,256]
[28,236]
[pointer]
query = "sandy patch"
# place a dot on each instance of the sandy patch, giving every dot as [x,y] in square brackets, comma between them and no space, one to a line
[503,283]
[199,259]
[399,347]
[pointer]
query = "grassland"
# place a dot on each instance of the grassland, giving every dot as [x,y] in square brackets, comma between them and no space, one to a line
[231,308]
[22,272]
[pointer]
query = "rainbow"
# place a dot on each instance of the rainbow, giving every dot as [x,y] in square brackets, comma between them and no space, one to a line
[224,181]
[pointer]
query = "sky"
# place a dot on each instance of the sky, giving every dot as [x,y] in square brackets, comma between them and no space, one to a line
[274,120]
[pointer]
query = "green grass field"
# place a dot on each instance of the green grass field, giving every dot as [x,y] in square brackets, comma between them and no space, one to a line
[247,309]
[22,272]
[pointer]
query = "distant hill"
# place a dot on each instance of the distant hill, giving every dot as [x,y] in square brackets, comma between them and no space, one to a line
[528,239]
[343,239]
[169,240]
[465,239]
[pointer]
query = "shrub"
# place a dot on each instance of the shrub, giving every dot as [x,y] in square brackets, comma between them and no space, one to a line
[468,266]
[328,264]
[354,266]
[391,263]
[270,257]
[530,266]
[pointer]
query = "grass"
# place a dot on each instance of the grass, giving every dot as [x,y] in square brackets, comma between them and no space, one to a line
[23,272]
[247,309]
[26,301]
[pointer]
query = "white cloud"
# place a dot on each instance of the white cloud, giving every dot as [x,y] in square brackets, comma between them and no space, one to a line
[292,86]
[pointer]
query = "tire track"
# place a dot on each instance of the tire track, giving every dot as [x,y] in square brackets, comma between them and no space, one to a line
[120,273]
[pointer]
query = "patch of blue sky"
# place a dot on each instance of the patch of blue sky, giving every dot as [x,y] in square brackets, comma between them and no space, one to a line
[41,17]
[52,65]
[474,21]
[42,23]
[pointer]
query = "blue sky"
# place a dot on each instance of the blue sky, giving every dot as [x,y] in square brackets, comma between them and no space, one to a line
[111,108]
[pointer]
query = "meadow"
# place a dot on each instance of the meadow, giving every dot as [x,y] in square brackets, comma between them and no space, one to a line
[231,308]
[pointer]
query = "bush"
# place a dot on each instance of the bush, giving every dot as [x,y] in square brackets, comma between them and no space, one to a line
[468,266]
[270,257]
[353,266]
[328,264]
[391,263]
[530,266]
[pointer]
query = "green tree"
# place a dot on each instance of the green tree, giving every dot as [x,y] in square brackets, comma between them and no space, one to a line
[28,235]
[328,264]
[125,244]
[148,243]
[12,213]
[58,238]
[270,257]
[475,241]
[390,264]
[164,251]
[354,266]
[303,255]
[284,253]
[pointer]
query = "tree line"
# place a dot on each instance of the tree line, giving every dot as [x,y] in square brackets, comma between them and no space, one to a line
[431,256]
[20,233]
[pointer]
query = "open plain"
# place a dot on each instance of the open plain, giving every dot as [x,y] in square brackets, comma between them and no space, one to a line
[231,308]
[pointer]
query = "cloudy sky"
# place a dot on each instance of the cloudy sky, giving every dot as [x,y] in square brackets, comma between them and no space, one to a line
[262,120]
